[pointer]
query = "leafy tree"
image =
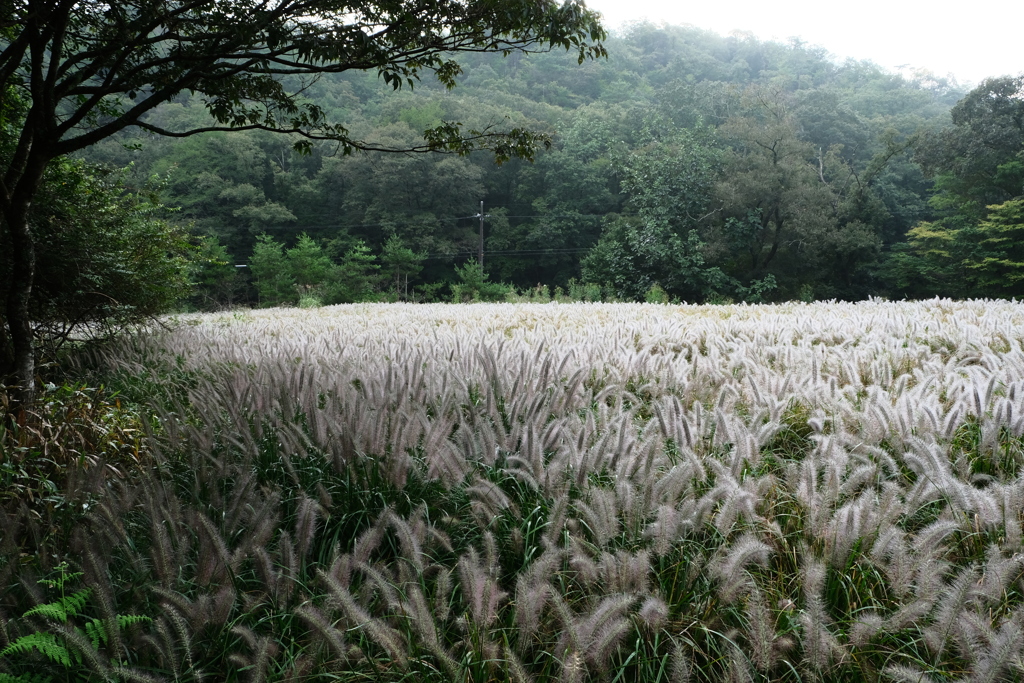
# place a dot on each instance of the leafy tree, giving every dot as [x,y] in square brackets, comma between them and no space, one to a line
[474,285]
[86,71]
[669,184]
[990,253]
[355,277]
[924,265]
[106,260]
[271,274]
[972,248]
[223,183]
[414,197]
[827,119]
[311,269]
[218,283]
[980,158]
[999,264]
[959,257]
[632,257]
[562,198]
[769,191]
[791,209]
[400,263]
[308,274]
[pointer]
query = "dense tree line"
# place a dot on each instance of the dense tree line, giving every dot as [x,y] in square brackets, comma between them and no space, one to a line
[705,167]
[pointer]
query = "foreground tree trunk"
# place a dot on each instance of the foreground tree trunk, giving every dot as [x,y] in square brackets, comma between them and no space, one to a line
[19,324]
[21,354]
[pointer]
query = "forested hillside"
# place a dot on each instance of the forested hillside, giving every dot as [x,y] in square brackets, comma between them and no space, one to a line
[687,166]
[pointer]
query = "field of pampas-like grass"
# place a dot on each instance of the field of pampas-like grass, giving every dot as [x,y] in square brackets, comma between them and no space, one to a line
[551,492]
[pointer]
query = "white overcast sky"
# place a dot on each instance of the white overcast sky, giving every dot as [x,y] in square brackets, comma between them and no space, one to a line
[971,40]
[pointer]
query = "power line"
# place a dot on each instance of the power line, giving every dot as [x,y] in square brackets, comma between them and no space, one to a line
[564,215]
[462,253]
[567,250]
[466,218]
[505,252]
[509,252]
[339,226]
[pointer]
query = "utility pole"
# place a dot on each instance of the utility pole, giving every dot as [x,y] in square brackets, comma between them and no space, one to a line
[480,246]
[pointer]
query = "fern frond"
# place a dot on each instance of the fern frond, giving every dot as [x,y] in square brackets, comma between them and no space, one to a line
[75,603]
[65,577]
[68,606]
[44,643]
[96,632]
[126,620]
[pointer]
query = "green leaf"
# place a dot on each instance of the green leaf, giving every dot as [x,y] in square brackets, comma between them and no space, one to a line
[45,643]
[96,632]
[68,606]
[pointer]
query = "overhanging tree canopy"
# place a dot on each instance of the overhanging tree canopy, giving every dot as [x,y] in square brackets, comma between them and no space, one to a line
[73,73]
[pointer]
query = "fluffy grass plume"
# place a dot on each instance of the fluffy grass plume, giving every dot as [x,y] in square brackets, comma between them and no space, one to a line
[577,492]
